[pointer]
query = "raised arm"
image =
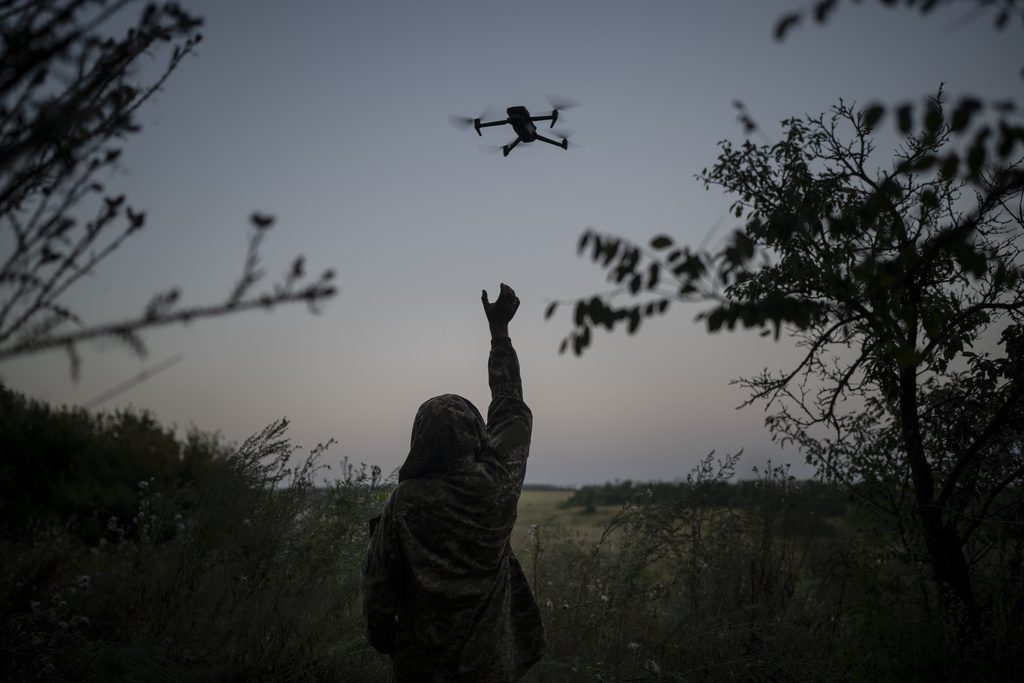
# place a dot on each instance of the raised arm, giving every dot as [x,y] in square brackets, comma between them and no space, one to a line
[509,420]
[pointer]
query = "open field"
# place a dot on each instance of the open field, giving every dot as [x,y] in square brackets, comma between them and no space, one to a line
[544,508]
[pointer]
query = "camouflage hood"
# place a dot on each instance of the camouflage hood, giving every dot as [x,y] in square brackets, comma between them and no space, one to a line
[447,433]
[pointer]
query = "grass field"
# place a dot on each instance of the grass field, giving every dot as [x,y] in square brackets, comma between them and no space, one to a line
[544,509]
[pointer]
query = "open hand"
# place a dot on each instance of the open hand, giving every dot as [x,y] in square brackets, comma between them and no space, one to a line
[501,311]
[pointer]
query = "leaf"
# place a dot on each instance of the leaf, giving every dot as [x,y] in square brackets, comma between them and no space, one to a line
[550,311]
[610,249]
[715,319]
[976,154]
[873,115]
[653,276]
[785,24]
[634,321]
[661,242]
[966,109]
[949,166]
[933,119]
[904,118]
[582,244]
[261,221]
[635,283]
[823,9]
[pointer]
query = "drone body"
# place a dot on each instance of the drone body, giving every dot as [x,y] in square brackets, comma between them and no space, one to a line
[523,124]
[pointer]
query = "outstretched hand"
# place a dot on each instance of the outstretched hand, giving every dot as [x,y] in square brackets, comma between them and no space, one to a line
[501,311]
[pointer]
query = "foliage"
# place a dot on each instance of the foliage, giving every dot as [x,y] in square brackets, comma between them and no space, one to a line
[808,503]
[250,572]
[678,590]
[68,97]
[246,573]
[76,468]
[888,278]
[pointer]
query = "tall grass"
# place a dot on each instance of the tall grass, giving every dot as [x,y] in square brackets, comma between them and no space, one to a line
[679,590]
[251,573]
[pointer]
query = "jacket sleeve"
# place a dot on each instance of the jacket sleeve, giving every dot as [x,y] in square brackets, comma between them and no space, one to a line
[509,420]
[381,578]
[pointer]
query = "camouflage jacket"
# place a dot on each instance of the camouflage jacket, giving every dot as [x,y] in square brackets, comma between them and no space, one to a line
[442,591]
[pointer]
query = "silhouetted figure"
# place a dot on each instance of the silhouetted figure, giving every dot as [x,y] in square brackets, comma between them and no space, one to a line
[443,593]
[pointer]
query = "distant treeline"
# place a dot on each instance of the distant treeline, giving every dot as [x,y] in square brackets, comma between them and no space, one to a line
[547,487]
[808,496]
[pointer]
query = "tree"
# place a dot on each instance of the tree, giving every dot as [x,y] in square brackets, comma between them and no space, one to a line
[68,98]
[886,278]
[856,262]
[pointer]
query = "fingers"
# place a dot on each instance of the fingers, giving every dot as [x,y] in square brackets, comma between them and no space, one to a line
[506,299]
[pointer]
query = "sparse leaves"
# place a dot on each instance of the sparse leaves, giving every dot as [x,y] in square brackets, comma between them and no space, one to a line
[885,278]
[68,96]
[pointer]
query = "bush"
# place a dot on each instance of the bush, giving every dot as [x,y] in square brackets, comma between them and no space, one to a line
[245,572]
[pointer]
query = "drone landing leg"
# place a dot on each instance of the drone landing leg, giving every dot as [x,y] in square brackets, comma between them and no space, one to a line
[508,148]
[563,144]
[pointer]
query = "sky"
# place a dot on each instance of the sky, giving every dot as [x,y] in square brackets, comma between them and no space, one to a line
[333,117]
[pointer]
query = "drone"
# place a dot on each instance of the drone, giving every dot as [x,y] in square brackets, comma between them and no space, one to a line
[523,124]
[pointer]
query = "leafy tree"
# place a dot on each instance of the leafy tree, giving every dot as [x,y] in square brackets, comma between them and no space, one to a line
[888,278]
[68,98]
[890,313]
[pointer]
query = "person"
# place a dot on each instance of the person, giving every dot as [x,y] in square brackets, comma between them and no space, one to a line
[442,591]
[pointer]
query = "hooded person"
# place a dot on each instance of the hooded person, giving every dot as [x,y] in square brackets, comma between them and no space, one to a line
[443,594]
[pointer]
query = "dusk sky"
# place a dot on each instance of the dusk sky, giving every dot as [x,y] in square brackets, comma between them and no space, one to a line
[332,116]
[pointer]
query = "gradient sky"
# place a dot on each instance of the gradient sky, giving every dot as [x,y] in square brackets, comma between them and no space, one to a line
[332,117]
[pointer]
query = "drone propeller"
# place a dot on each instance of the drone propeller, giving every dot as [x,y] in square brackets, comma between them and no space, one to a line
[566,135]
[460,121]
[562,103]
[488,114]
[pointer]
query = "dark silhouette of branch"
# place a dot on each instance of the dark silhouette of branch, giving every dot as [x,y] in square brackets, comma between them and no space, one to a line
[67,101]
